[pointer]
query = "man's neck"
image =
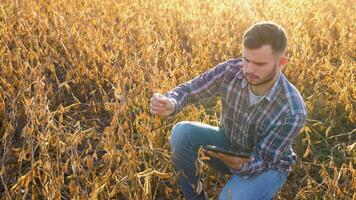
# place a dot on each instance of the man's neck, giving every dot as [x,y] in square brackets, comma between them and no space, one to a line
[261,90]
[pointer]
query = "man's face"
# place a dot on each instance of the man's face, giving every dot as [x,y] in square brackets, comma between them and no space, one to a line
[260,65]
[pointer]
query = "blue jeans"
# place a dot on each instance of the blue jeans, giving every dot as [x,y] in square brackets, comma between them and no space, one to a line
[186,138]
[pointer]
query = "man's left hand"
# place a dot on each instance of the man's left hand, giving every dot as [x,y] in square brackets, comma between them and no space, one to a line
[233,162]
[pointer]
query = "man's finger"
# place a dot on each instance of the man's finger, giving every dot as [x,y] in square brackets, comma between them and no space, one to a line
[245,159]
[156,104]
[156,112]
[155,108]
[214,154]
[236,158]
[226,157]
[157,95]
[161,100]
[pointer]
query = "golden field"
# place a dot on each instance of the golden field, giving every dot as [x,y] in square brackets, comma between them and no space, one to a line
[77,77]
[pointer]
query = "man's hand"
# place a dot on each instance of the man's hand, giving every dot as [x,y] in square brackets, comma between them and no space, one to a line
[233,162]
[161,105]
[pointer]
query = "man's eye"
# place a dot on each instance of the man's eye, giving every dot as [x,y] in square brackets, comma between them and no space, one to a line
[260,64]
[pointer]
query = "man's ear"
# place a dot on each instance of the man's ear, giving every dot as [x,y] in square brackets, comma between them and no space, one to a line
[282,62]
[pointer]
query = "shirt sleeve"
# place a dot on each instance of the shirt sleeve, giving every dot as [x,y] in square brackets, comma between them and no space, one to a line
[273,144]
[203,86]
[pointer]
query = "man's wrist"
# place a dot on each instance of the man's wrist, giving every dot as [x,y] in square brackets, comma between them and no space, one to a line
[175,106]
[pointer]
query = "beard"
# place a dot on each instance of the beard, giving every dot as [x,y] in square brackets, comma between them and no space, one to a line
[270,76]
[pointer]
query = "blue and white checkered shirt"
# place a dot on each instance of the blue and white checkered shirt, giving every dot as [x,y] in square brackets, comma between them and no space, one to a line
[264,130]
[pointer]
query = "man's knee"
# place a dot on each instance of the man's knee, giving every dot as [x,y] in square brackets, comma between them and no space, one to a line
[178,133]
[262,186]
[231,193]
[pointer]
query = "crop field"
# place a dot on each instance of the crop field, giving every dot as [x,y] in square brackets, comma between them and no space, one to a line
[76,78]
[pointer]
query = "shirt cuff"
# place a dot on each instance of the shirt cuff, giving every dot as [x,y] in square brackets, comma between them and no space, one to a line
[175,106]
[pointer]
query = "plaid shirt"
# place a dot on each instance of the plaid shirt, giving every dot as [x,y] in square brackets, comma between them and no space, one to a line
[264,130]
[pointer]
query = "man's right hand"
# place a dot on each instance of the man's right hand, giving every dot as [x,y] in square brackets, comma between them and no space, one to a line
[161,105]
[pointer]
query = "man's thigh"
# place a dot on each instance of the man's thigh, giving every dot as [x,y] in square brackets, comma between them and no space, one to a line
[258,187]
[188,136]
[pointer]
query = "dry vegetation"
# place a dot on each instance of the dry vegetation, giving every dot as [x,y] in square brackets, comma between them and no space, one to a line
[77,76]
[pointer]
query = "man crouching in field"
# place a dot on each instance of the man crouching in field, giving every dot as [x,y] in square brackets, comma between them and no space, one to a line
[262,112]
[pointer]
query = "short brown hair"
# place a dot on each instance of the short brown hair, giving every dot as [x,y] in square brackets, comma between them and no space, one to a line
[263,33]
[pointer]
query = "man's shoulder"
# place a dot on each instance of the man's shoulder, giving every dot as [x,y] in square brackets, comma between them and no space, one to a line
[233,67]
[293,98]
[234,61]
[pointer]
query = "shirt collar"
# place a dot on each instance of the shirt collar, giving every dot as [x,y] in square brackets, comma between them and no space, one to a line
[272,92]
[244,82]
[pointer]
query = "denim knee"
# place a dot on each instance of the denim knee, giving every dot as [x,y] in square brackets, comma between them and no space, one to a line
[178,135]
